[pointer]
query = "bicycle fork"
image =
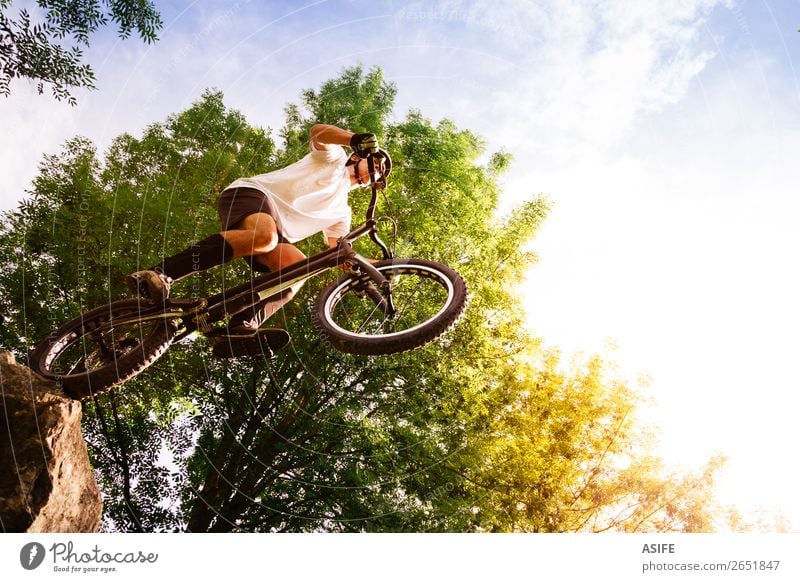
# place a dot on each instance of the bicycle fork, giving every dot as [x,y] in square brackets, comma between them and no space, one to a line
[382,298]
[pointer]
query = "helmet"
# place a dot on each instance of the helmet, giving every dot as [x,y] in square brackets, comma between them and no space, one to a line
[379,163]
[384,162]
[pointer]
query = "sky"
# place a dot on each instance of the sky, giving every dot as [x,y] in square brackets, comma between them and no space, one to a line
[665,134]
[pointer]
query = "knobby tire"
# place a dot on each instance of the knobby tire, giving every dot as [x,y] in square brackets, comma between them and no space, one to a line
[430,299]
[87,359]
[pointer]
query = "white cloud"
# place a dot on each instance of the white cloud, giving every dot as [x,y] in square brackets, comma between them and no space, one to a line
[678,242]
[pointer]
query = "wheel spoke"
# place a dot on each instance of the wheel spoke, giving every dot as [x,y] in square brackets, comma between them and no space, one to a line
[93,353]
[99,339]
[79,362]
[427,297]
[99,346]
[367,319]
[417,296]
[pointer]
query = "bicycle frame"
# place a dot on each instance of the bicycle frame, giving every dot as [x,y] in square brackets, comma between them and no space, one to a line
[201,314]
[231,301]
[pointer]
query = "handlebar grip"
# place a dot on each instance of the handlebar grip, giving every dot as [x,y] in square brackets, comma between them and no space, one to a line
[364,144]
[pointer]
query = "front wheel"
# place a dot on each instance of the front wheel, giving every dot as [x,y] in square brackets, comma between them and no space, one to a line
[429,298]
[92,353]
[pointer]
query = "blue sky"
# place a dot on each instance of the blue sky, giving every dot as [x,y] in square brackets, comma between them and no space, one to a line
[665,133]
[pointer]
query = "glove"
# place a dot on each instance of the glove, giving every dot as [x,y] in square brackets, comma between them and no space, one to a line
[364,143]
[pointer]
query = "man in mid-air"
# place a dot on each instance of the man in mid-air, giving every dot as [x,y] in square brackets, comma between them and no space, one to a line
[261,217]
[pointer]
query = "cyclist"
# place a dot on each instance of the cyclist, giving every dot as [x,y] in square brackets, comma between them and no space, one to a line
[261,217]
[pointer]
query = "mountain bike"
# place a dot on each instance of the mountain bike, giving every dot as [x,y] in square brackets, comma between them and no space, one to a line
[378,308]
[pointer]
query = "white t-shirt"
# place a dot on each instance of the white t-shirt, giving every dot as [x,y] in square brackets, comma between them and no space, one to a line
[308,196]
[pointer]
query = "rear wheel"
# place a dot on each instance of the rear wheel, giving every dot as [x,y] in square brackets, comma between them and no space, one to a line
[92,353]
[353,317]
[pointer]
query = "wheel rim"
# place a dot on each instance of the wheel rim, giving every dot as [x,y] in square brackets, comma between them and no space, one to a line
[420,294]
[95,345]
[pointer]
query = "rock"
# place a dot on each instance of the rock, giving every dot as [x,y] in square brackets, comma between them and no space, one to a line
[46,484]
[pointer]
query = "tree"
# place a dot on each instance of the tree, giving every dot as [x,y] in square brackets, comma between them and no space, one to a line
[483,430]
[35,50]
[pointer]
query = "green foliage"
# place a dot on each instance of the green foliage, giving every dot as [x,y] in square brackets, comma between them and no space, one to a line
[87,222]
[562,453]
[34,49]
[482,430]
[357,101]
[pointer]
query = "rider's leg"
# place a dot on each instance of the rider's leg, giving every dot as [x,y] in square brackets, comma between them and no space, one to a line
[254,235]
[257,234]
[156,281]
[211,251]
[244,335]
[282,256]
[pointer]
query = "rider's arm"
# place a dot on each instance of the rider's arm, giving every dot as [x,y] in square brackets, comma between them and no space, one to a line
[324,137]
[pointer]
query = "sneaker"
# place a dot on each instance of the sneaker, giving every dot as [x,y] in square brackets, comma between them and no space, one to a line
[245,341]
[152,285]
